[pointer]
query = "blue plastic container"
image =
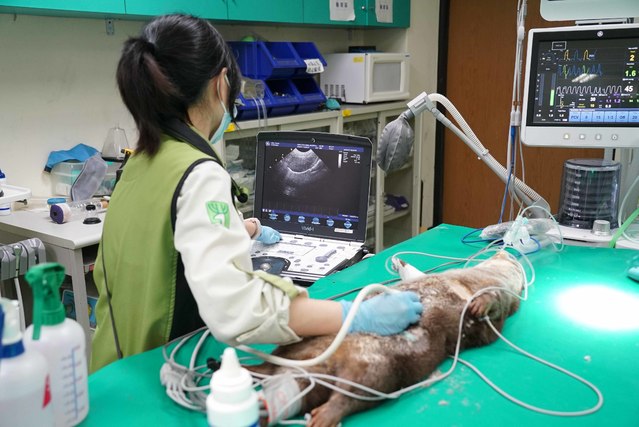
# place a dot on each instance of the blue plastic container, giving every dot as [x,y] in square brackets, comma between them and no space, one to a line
[267,60]
[307,50]
[249,111]
[310,95]
[283,96]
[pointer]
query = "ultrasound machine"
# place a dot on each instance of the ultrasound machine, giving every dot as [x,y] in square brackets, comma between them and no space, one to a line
[313,188]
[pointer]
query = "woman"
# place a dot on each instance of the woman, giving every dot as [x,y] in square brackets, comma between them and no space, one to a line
[175,251]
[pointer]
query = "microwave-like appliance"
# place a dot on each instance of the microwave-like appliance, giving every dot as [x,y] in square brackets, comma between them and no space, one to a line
[360,78]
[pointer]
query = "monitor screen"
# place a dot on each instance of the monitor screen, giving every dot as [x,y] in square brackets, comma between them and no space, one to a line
[313,183]
[571,10]
[582,87]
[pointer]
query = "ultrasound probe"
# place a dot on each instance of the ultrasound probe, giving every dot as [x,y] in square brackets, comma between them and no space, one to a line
[326,256]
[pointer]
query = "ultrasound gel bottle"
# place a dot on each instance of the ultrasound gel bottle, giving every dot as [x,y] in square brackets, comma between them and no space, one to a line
[25,397]
[233,401]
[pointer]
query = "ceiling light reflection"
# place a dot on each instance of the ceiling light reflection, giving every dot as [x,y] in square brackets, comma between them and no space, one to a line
[601,307]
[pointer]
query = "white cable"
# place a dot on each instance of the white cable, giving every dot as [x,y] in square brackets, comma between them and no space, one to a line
[336,341]
[390,258]
[595,408]
[264,111]
[23,323]
[17,251]
[620,218]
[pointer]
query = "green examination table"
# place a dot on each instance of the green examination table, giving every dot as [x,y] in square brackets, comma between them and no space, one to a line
[582,314]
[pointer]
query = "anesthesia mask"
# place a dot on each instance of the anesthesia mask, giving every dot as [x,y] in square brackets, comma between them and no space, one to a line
[395,145]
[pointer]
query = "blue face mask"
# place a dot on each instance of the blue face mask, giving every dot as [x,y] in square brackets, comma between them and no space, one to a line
[226,119]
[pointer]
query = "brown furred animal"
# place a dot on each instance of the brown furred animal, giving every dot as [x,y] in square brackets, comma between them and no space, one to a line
[390,363]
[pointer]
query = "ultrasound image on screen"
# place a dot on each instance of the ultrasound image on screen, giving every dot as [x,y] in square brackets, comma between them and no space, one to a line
[315,180]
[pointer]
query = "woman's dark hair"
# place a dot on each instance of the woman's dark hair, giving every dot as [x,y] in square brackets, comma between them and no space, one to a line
[166,70]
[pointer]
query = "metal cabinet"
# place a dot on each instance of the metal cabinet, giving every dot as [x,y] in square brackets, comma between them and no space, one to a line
[209,9]
[62,7]
[279,11]
[318,12]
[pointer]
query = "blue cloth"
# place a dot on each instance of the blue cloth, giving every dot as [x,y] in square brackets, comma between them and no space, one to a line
[80,152]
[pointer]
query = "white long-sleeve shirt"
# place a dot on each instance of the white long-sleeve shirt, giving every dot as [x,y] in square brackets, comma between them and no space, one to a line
[215,249]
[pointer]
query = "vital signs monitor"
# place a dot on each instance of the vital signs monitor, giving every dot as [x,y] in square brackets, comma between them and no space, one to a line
[582,87]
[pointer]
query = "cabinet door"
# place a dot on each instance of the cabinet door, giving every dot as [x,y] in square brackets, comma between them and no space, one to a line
[54,6]
[285,11]
[401,14]
[318,12]
[208,9]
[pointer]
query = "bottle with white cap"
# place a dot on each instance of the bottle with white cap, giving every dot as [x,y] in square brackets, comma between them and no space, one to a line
[25,396]
[233,401]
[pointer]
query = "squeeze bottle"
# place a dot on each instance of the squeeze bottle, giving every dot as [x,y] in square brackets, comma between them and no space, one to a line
[232,401]
[25,397]
[61,341]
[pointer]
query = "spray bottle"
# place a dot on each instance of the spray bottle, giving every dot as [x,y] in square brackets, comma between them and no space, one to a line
[232,401]
[61,341]
[25,397]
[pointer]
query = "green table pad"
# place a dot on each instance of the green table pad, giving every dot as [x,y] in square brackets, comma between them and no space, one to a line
[593,346]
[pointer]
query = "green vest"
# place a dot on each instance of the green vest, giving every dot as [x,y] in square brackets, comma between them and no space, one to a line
[151,300]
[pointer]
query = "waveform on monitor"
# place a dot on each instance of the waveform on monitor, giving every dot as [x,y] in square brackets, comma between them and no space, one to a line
[588,90]
[567,71]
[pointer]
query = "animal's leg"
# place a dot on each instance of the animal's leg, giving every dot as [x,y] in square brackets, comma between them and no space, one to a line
[337,407]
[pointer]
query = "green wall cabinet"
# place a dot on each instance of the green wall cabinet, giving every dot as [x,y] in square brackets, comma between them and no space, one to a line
[62,7]
[270,11]
[208,9]
[318,12]
[277,11]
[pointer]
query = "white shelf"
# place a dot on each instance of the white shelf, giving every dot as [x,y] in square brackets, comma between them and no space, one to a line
[13,194]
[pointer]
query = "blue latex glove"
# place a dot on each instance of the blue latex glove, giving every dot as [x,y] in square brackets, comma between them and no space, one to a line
[269,236]
[385,314]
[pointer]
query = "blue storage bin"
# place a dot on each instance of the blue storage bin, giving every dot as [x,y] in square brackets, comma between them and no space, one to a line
[283,97]
[307,50]
[249,111]
[310,94]
[267,60]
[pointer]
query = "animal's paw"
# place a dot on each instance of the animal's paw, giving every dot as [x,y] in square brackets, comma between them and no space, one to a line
[324,416]
[480,306]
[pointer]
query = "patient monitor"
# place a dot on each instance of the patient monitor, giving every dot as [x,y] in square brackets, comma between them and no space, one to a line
[582,87]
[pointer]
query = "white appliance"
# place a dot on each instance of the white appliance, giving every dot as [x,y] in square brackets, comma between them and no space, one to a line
[361,78]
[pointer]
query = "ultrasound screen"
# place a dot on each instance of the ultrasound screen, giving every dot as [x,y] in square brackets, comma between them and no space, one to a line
[314,185]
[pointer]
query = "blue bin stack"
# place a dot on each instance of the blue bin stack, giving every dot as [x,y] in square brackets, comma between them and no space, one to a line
[288,88]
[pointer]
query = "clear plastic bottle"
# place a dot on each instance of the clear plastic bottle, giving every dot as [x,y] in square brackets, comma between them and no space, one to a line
[232,401]
[65,212]
[25,397]
[62,342]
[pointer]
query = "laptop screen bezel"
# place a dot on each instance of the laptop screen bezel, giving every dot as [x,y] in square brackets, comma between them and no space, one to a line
[305,137]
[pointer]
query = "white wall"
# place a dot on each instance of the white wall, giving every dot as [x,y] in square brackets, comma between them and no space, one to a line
[57,79]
